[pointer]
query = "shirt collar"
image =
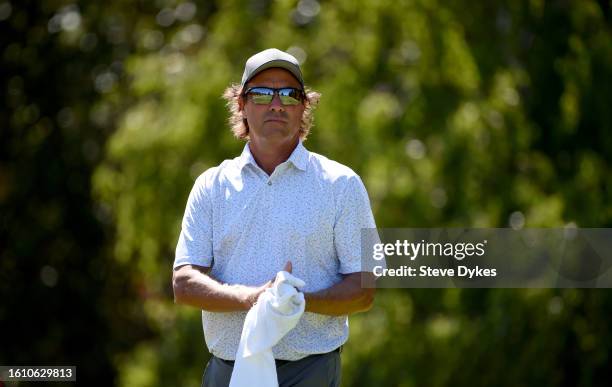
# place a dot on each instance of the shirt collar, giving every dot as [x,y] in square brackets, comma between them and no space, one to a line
[246,157]
[299,157]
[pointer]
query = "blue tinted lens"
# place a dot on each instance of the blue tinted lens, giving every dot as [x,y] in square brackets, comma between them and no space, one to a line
[261,95]
[290,96]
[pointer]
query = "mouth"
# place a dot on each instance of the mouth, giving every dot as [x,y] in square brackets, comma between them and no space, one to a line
[276,120]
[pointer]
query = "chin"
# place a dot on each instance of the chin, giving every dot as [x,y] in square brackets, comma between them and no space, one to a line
[278,135]
[275,130]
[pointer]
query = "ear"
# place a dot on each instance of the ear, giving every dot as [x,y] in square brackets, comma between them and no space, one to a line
[241,105]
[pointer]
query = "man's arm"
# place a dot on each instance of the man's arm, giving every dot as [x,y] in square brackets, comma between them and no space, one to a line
[193,286]
[346,297]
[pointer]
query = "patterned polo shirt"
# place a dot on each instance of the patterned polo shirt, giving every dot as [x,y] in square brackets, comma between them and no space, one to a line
[247,224]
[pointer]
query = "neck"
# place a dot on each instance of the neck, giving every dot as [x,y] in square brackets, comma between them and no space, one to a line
[268,156]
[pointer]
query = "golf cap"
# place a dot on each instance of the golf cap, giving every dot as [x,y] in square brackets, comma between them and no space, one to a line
[271,58]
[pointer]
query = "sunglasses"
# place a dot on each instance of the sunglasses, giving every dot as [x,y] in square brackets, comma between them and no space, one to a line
[264,95]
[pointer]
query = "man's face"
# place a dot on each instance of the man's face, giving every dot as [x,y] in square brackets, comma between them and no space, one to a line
[273,121]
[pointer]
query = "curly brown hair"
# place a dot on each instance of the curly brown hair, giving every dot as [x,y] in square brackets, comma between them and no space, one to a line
[239,124]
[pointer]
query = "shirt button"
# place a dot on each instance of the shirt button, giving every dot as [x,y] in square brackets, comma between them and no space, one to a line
[269,183]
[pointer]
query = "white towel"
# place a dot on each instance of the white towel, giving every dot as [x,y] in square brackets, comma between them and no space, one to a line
[276,312]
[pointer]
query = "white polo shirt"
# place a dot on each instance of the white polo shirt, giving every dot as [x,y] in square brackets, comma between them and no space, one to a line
[247,225]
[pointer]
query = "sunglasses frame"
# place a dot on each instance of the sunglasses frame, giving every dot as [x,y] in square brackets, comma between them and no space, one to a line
[302,94]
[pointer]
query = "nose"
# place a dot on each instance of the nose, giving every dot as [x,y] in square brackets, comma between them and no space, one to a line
[276,104]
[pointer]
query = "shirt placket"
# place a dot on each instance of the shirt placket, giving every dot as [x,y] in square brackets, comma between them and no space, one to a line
[271,196]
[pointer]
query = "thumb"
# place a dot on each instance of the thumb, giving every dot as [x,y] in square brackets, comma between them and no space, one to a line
[288,267]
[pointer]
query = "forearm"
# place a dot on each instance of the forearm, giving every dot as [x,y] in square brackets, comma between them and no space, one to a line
[192,287]
[346,297]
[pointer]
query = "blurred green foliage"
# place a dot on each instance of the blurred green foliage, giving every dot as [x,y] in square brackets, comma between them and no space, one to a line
[488,114]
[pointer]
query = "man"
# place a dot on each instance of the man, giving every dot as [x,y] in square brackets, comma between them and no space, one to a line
[276,206]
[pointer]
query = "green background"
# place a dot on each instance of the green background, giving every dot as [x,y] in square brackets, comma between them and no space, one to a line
[454,113]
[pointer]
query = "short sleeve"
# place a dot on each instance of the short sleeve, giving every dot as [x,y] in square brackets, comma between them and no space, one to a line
[353,213]
[195,241]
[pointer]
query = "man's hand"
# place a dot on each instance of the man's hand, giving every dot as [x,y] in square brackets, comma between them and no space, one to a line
[256,292]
